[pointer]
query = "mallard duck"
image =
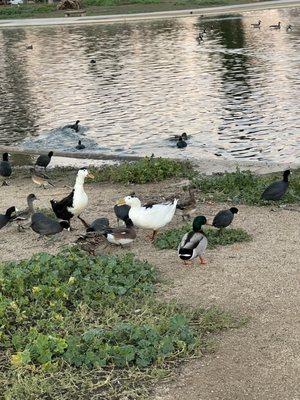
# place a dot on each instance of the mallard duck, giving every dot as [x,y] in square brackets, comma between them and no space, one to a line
[39,178]
[194,243]
[256,25]
[151,216]
[98,225]
[277,189]
[80,146]
[181,143]
[277,26]
[5,168]
[224,218]
[75,202]
[187,205]
[24,216]
[121,236]
[44,160]
[75,126]
[46,226]
[7,217]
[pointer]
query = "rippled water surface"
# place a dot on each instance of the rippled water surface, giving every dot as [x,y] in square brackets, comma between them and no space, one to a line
[236,93]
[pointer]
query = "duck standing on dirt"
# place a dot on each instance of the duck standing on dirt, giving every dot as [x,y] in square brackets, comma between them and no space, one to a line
[121,236]
[194,243]
[151,216]
[187,205]
[7,217]
[278,189]
[44,160]
[24,216]
[39,178]
[5,168]
[224,218]
[98,225]
[73,205]
[46,226]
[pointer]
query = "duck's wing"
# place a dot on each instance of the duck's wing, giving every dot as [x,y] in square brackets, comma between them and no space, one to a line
[44,225]
[66,201]
[276,189]
[121,233]
[191,240]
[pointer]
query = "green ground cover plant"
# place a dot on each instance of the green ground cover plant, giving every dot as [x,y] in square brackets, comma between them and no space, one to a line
[244,187]
[74,324]
[171,238]
[148,169]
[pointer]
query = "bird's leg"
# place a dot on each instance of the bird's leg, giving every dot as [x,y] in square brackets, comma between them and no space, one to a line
[118,222]
[153,236]
[221,230]
[202,260]
[4,183]
[187,263]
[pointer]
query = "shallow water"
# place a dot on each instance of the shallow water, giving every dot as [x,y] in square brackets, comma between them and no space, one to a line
[236,93]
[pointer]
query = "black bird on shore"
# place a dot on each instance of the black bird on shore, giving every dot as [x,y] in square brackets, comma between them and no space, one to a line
[46,226]
[44,160]
[224,218]
[5,218]
[99,225]
[277,189]
[5,168]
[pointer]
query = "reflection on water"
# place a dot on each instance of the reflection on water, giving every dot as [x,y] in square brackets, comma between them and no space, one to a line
[236,93]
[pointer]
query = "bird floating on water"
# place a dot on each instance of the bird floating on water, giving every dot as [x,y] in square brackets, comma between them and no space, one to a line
[256,25]
[181,143]
[29,47]
[93,61]
[80,146]
[5,168]
[289,28]
[194,243]
[277,189]
[75,126]
[276,26]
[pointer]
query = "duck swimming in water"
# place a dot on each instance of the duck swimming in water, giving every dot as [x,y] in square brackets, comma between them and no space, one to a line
[277,26]
[75,126]
[257,25]
[181,144]
[80,146]
[76,201]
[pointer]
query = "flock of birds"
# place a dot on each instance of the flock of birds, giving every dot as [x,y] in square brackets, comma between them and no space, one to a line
[257,25]
[151,216]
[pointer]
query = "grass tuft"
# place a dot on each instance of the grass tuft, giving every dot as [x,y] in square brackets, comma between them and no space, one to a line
[145,170]
[171,238]
[245,187]
[75,326]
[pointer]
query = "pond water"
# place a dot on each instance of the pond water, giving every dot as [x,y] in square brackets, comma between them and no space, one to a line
[236,93]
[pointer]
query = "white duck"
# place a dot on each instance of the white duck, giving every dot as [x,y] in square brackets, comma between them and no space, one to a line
[150,216]
[75,202]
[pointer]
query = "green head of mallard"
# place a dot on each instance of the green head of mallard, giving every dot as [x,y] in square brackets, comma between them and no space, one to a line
[198,222]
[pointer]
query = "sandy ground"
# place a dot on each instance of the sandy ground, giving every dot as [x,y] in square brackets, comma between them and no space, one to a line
[257,279]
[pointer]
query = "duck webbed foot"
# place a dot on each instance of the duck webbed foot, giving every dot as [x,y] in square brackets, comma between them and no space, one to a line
[202,260]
